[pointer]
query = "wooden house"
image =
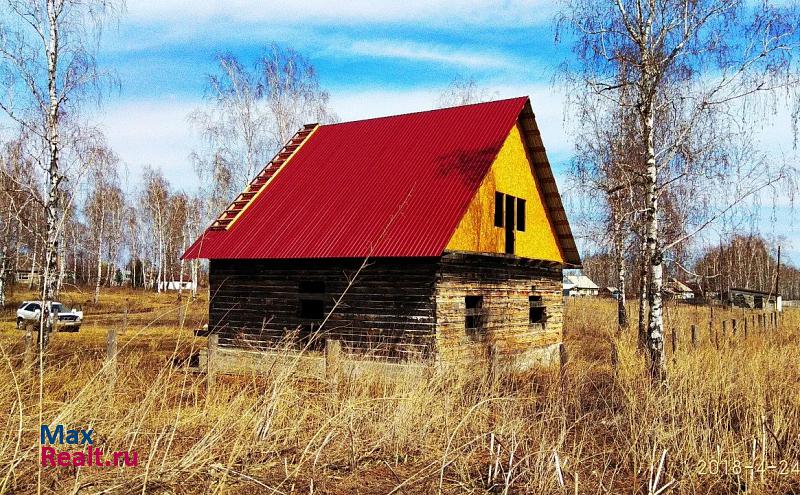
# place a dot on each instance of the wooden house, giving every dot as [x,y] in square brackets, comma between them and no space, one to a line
[753,299]
[432,235]
[675,289]
[579,286]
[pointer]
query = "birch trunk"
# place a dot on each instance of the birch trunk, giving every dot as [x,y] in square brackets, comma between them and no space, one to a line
[180,281]
[53,175]
[61,261]
[195,264]
[622,314]
[4,258]
[99,258]
[33,262]
[654,256]
[643,291]
[74,258]
[3,264]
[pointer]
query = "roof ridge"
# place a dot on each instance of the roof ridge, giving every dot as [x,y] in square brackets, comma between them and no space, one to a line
[430,110]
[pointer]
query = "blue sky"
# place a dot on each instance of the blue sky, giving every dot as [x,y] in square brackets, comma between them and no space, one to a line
[375,58]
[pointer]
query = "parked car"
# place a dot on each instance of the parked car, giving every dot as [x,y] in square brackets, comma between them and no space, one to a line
[62,319]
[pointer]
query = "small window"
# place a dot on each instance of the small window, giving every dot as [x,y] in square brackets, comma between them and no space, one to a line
[473,316]
[33,307]
[521,215]
[311,299]
[538,311]
[498,209]
[312,309]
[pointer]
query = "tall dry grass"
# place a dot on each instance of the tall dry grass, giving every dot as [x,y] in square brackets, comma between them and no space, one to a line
[594,430]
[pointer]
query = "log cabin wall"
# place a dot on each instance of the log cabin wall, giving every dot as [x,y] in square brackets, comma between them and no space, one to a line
[388,311]
[396,309]
[509,293]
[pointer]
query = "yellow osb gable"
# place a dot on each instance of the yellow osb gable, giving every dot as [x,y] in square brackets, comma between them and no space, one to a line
[510,173]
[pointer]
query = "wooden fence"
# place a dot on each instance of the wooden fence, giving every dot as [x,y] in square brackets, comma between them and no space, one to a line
[721,332]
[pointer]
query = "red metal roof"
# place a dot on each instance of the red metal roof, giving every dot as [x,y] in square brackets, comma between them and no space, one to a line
[384,187]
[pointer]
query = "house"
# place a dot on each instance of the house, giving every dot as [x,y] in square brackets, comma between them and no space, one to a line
[609,292]
[176,285]
[431,235]
[579,286]
[753,299]
[675,289]
[26,277]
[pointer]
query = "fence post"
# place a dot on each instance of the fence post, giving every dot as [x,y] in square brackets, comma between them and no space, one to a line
[333,351]
[694,336]
[211,365]
[30,348]
[674,343]
[733,330]
[724,332]
[715,340]
[562,372]
[614,359]
[745,328]
[111,356]
[125,317]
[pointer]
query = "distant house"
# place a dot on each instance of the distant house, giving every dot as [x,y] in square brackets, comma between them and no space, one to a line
[176,285]
[675,289]
[753,299]
[442,232]
[609,292]
[580,286]
[25,276]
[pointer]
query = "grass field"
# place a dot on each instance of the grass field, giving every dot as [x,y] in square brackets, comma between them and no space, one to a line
[729,422]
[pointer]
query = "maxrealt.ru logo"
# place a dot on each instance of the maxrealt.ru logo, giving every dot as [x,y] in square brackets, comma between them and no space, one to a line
[69,453]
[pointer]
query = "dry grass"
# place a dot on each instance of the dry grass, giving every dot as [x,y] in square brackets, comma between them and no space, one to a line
[444,433]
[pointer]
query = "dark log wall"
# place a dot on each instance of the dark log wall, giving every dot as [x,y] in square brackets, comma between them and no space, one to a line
[395,308]
[505,285]
[388,310]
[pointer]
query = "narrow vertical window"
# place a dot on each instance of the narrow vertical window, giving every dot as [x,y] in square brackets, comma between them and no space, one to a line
[521,215]
[473,316]
[510,220]
[498,209]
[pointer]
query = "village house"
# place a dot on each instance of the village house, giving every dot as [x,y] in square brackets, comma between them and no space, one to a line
[579,286]
[609,292]
[675,289]
[432,235]
[753,299]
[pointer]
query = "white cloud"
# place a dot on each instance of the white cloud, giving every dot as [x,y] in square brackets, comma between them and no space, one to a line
[427,52]
[423,12]
[153,132]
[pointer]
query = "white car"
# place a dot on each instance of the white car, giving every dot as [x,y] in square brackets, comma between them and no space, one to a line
[63,320]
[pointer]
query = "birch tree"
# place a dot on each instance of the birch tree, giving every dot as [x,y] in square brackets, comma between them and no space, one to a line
[463,91]
[102,203]
[251,113]
[701,68]
[155,203]
[49,69]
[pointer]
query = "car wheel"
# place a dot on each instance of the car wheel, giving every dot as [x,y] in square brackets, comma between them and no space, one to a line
[20,323]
